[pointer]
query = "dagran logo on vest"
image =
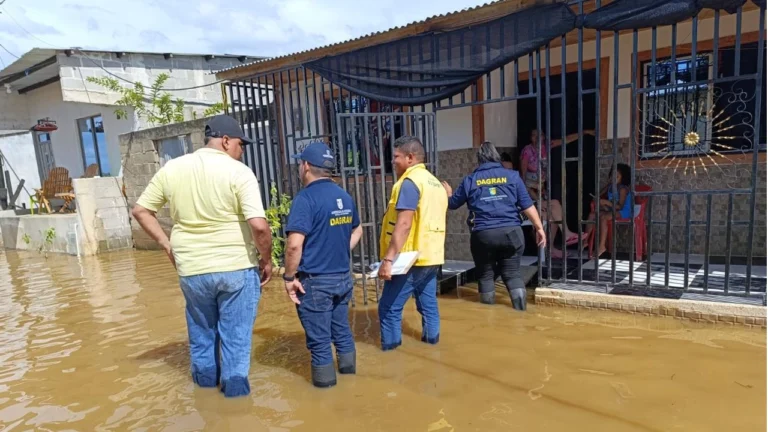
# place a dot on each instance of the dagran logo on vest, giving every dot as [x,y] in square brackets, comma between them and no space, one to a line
[492,191]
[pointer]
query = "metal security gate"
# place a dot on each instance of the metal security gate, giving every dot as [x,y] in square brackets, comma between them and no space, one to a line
[365,147]
[682,105]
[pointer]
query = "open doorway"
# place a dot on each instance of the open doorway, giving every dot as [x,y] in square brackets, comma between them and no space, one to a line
[527,120]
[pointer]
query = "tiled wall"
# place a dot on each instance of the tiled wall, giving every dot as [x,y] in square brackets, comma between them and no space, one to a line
[453,165]
[727,176]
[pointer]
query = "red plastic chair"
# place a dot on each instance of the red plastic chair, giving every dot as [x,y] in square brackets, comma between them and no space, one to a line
[641,244]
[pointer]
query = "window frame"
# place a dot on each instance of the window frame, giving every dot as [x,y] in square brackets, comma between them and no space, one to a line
[682,88]
[95,141]
[188,147]
[684,49]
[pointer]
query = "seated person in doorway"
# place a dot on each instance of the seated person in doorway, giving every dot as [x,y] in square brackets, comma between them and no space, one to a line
[530,162]
[613,195]
[493,194]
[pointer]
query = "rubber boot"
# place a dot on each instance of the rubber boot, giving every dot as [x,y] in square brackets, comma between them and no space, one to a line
[488,297]
[347,363]
[518,297]
[324,376]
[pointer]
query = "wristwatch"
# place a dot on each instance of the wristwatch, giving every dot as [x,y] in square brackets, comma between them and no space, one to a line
[288,278]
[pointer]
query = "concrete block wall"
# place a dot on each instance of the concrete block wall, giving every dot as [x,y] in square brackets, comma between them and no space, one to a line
[103,213]
[141,162]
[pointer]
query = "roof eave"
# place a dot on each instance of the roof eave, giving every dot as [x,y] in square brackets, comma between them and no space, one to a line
[439,23]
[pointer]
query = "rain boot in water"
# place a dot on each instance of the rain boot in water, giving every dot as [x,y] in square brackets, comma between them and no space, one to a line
[518,296]
[347,363]
[488,297]
[324,376]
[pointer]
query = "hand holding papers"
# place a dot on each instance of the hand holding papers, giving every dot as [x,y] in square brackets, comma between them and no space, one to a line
[403,262]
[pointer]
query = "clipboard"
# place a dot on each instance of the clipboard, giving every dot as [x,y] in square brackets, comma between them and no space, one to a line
[401,265]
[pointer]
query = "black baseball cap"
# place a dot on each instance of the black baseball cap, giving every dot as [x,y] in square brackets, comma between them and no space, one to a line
[221,125]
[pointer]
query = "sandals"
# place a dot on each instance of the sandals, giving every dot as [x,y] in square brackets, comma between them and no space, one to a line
[575,238]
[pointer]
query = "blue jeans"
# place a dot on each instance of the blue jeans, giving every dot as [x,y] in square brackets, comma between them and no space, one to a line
[323,313]
[421,282]
[221,310]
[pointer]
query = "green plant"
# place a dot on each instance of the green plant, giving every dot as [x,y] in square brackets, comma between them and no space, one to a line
[161,108]
[49,236]
[26,239]
[277,210]
[212,110]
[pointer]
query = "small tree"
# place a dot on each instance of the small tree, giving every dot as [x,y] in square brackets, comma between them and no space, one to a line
[157,108]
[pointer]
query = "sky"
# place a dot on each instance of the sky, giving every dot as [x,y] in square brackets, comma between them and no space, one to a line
[256,27]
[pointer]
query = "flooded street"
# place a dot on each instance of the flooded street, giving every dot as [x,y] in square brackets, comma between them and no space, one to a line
[100,344]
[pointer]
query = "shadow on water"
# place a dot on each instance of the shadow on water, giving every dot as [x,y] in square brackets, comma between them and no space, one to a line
[175,354]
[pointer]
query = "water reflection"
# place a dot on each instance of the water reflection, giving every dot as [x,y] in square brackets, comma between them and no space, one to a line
[100,344]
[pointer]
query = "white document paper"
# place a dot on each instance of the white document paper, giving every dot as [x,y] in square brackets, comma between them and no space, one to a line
[403,262]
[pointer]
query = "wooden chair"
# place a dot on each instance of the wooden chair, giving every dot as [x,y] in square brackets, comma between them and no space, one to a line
[57,185]
[91,171]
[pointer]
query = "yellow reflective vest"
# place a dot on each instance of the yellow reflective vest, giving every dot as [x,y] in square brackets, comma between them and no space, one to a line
[428,228]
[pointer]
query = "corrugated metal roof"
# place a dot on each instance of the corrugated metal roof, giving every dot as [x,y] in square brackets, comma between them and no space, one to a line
[520,3]
[38,55]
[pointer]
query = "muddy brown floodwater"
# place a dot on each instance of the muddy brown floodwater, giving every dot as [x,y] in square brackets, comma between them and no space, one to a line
[100,344]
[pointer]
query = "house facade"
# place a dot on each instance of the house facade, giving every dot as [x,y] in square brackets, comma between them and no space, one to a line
[49,109]
[682,102]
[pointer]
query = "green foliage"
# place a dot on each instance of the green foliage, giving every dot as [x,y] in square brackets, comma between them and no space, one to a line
[277,210]
[157,108]
[214,109]
[26,239]
[49,236]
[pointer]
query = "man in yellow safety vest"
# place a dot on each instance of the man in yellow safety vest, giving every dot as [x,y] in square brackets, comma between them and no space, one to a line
[415,221]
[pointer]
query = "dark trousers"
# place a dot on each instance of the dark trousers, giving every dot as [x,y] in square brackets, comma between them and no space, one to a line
[495,251]
[323,313]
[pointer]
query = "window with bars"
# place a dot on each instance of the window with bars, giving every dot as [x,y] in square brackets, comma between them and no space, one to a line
[679,108]
[699,112]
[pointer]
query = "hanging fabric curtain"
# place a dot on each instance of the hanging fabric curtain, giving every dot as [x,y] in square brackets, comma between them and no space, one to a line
[430,67]
[434,66]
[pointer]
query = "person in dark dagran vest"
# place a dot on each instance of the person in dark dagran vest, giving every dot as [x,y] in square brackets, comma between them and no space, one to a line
[323,226]
[414,221]
[493,194]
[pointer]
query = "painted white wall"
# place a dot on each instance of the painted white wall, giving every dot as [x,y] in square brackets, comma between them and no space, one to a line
[454,129]
[14,114]
[184,71]
[18,147]
[67,151]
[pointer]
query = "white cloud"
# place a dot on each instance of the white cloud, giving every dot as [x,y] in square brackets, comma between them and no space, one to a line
[259,28]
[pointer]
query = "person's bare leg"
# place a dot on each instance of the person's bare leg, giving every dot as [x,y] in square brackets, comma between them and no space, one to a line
[603,234]
[556,215]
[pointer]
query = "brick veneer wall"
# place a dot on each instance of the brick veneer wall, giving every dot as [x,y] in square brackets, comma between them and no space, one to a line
[728,176]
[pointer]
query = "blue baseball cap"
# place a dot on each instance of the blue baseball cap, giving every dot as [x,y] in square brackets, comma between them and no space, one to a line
[317,154]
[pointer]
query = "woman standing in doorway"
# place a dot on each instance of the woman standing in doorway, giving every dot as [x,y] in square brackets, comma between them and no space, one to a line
[530,161]
[493,194]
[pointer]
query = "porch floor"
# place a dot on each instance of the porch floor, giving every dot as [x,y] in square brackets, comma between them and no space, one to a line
[658,287]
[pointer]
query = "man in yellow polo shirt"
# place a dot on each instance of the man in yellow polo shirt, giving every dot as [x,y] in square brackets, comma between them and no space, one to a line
[218,218]
[415,221]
